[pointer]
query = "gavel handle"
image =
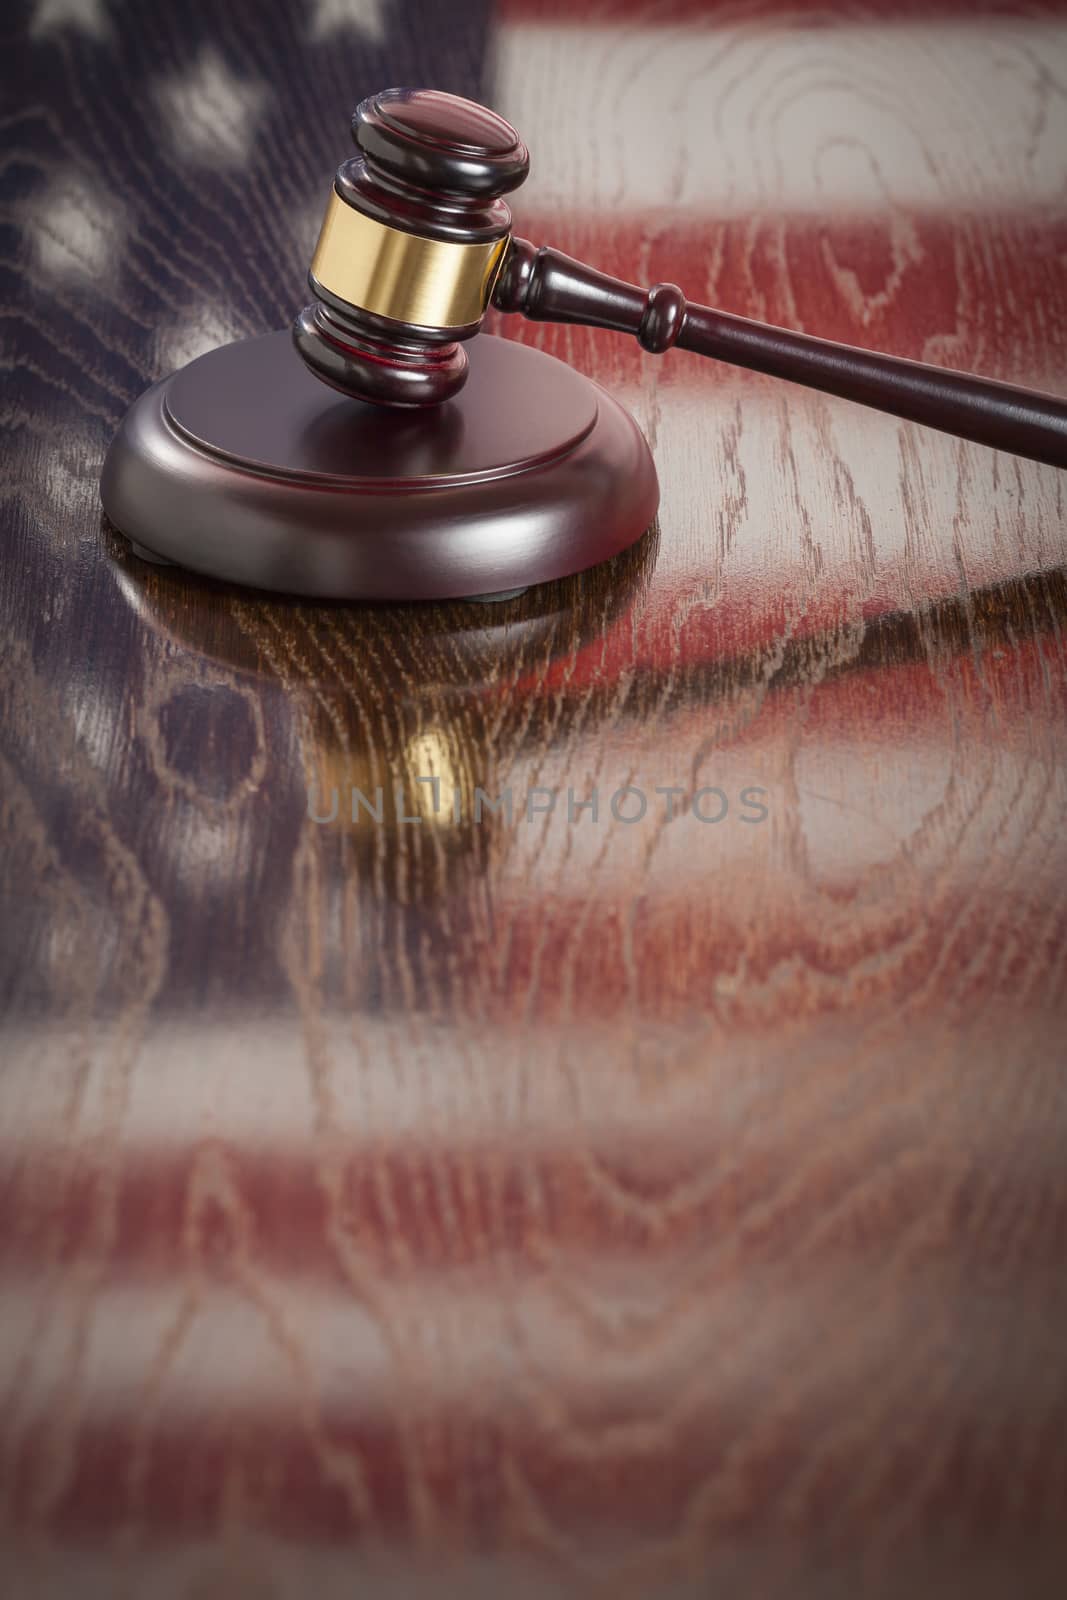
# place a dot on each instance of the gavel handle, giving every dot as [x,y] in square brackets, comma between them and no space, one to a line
[547,286]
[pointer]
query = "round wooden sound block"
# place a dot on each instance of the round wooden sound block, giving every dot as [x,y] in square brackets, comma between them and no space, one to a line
[245,467]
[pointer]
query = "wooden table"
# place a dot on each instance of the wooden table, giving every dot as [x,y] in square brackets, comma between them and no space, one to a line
[632,1205]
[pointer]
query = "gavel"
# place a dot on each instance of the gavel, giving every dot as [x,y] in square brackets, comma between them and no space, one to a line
[416,245]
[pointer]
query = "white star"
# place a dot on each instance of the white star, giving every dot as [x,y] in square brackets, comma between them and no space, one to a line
[76,230]
[211,115]
[90,16]
[330,16]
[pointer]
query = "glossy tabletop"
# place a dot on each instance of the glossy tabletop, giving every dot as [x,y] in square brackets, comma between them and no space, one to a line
[625,1156]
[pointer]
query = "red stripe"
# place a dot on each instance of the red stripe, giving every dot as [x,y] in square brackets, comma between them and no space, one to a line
[892,284]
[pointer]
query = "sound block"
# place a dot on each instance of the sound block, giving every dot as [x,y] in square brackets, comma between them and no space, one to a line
[245,467]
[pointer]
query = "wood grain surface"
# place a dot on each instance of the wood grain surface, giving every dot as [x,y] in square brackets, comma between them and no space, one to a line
[630,1205]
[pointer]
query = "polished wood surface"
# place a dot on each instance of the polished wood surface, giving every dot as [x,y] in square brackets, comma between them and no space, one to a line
[551,1207]
[243,467]
[394,297]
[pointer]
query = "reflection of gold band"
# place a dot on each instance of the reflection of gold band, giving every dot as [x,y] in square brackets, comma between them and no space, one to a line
[429,282]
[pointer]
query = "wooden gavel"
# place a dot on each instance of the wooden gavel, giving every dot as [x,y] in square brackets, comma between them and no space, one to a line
[417,244]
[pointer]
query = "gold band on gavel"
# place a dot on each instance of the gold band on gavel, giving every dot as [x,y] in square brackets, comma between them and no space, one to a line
[432,283]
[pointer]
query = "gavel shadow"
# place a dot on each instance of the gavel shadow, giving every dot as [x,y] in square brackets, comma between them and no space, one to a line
[398,442]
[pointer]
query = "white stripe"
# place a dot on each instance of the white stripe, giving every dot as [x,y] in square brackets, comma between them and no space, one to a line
[165,1352]
[731,120]
[761,477]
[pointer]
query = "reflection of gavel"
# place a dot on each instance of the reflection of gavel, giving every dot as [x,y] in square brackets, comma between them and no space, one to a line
[417,244]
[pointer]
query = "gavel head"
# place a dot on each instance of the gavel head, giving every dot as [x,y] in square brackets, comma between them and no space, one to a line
[414,237]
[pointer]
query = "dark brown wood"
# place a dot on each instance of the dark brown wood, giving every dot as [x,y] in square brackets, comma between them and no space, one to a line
[242,467]
[371,359]
[548,286]
[592,1211]
[431,164]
